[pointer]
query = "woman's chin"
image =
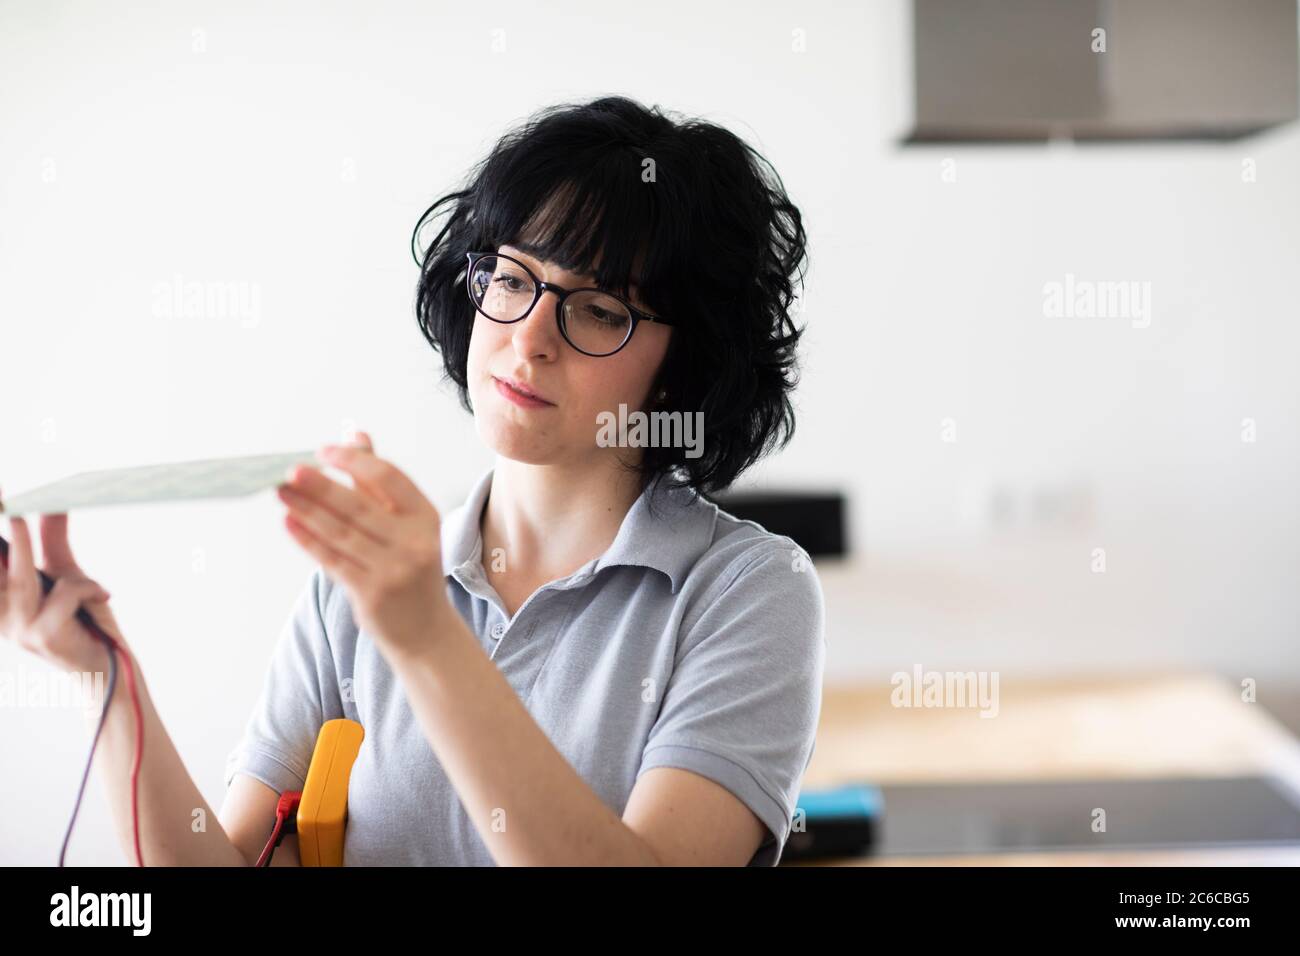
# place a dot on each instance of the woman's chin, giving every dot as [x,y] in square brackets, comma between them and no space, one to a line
[518,442]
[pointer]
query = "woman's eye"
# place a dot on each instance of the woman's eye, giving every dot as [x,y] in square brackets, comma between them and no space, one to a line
[510,282]
[600,315]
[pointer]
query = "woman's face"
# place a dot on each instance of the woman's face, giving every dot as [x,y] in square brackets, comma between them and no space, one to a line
[576,387]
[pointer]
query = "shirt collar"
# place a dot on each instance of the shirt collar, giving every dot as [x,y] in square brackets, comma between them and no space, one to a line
[670,540]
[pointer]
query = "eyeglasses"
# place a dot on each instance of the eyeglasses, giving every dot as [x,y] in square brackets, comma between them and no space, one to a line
[592,321]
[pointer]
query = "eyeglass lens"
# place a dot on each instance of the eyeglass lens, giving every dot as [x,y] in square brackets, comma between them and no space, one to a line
[593,322]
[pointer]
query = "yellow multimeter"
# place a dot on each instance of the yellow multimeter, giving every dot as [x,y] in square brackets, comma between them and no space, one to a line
[323,809]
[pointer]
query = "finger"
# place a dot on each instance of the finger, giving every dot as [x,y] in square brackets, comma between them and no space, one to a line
[56,553]
[61,604]
[22,586]
[329,527]
[6,558]
[338,566]
[348,503]
[367,483]
[381,479]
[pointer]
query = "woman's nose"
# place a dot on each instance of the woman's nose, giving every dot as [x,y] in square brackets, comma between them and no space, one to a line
[537,335]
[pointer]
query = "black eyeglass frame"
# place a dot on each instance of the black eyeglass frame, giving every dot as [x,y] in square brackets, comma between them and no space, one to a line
[540,288]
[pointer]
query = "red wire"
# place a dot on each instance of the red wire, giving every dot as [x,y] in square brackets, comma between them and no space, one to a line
[139,758]
[269,849]
[284,811]
[139,739]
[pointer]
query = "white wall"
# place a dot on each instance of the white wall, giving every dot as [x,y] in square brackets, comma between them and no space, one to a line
[291,153]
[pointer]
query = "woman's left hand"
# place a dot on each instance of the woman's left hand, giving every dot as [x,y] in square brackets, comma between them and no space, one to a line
[380,540]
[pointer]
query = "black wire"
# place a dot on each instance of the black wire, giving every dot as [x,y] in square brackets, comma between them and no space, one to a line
[103,718]
[47,585]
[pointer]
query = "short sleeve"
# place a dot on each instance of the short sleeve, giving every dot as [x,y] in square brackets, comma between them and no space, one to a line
[299,693]
[744,699]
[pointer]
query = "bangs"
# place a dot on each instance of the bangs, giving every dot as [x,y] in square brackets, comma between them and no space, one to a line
[592,216]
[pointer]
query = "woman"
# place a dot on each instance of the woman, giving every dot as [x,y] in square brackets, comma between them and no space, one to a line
[587,662]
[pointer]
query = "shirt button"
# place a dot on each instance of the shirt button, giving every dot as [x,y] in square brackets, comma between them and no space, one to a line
[497,630]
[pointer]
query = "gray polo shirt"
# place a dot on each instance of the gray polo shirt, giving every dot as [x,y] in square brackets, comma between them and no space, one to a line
[695,641]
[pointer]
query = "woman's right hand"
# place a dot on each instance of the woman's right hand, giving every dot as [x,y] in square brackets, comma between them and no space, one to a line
[46,624]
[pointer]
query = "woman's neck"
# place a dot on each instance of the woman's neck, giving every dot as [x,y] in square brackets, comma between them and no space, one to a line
[550,520]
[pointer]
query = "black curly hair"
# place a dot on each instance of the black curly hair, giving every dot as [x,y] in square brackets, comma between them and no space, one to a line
[702,217]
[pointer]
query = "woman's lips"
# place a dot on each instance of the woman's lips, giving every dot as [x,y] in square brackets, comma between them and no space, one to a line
[520,398]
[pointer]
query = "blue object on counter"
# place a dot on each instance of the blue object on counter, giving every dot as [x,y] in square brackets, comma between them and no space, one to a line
[841,822]
[852,800]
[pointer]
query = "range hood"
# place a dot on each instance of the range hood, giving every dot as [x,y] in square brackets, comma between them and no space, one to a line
[1017,70]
